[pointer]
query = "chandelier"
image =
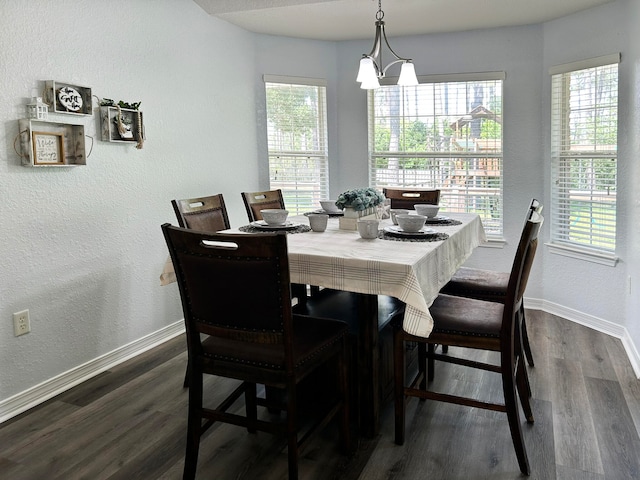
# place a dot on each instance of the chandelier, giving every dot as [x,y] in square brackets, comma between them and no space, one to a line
[371,68]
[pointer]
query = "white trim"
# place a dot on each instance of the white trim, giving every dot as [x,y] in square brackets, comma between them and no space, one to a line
[598,324]
[316,82]
[609,260]
[34,396]
[584,64]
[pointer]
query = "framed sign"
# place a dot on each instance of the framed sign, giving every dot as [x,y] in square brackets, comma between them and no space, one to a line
[48,148]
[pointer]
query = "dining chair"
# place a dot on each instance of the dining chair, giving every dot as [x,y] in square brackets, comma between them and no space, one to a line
[256,201]
[475,324]
[407,198]
[206,214]
[256,342]
[490,285]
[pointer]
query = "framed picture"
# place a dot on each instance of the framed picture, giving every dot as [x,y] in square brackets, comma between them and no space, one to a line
[48,148]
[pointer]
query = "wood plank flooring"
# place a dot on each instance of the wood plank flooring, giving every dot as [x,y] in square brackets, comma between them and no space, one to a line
[130,423]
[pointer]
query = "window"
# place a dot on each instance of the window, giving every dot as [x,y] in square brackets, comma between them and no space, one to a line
[297,141]
[445,133]
[584,132]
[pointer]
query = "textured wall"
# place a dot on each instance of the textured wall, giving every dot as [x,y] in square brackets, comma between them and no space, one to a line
[81,247]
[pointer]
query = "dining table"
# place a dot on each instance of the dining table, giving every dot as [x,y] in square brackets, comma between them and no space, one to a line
[411,268]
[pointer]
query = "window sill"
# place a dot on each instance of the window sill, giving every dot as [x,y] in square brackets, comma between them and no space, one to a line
[609,260]
[494,242]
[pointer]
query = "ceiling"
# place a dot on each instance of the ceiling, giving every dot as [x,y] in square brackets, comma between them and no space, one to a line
[354,19]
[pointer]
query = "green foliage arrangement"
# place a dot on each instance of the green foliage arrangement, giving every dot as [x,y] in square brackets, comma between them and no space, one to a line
[360,199]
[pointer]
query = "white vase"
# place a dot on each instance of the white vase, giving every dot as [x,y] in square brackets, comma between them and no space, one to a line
[349,212]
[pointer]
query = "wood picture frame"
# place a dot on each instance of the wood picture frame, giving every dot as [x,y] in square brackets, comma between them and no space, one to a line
[48,148]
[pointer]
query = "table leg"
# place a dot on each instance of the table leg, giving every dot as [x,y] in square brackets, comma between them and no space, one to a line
[368,368]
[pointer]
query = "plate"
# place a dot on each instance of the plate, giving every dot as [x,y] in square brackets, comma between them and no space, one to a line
[261,224]
[331,214]
[70,99]
[398,232]
[437,219]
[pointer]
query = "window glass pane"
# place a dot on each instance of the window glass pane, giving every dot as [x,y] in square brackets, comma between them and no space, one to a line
[445,135]
[297,143]
[584,157]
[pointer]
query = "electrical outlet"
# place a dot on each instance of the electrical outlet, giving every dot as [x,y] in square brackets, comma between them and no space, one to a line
[21,324]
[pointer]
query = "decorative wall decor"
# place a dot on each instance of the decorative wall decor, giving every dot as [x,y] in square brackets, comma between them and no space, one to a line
[51,144]
[38,109]
[68,98]
[122,122]
[48,148]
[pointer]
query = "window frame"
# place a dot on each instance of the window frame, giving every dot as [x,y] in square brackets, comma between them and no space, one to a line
[299,200]
[495,232]
[564,156]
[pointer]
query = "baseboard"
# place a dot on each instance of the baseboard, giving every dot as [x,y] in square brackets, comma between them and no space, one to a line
[23,401]
[599,324]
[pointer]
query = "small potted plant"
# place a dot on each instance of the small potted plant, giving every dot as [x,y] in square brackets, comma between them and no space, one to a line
[359,202]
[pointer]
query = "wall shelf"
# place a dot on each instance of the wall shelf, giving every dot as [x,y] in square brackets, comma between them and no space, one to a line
[132,120]
[51,144]
[68,98]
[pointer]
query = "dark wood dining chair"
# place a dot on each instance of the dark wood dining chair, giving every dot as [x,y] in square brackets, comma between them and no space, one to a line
[256,201]
[480,325]
[206,214]
[256,342]
[490,285]
[407,198]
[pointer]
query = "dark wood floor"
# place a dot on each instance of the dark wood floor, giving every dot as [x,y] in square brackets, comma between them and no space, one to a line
[129,423]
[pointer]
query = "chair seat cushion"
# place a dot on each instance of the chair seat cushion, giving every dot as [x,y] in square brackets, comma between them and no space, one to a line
[476,283]
[466,316]
[314,340]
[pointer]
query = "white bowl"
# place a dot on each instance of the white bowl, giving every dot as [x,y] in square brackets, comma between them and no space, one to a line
[411,223]
[329,206]
[428,211]
[397,211]
[274,216]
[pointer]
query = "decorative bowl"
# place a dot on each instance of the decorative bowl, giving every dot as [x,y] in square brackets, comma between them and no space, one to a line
[329,206]
[274,216]
[411,223]
[428,211]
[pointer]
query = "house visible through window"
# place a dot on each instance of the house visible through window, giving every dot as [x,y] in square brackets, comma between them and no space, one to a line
[445,133]
[297,141]
[584,138]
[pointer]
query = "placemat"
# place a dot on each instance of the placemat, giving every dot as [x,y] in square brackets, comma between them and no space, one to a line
[445,221]
[431,238]
[251,229]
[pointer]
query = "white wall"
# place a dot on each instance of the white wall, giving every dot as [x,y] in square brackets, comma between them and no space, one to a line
[81,247]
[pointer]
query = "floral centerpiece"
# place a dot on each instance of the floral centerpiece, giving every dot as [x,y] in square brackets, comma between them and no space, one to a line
[360,199]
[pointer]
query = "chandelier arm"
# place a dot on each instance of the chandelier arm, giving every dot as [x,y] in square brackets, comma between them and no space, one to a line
[384,35]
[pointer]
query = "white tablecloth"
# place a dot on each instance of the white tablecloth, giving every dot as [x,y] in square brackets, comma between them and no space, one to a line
[413,272]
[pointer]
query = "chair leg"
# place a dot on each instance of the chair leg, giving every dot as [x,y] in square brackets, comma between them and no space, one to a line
[343,375]
[251,405]
[431,363]
[185,384]
[525,339]
[422,365]
[509,389]
[522,382]
[399,382]
[193,426]
[292,432]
